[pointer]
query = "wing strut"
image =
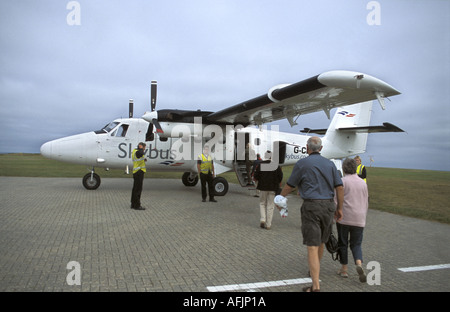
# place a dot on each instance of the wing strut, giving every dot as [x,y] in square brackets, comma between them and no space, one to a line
[291,120]
[327,112]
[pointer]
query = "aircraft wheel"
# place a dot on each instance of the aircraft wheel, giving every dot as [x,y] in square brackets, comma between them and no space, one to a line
[188,181]
[220,186]
[91,183]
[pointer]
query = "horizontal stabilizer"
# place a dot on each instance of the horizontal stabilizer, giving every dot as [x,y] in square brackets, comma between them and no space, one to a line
[386,127]
[316,131]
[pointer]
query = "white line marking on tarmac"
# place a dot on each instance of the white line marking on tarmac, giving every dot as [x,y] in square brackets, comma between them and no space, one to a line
[426,268]
[251,286]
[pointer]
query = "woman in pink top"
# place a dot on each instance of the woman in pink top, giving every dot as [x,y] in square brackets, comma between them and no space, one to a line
[356,203]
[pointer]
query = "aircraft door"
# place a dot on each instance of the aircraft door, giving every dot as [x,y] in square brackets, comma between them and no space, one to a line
[120,134]
[279,147]
[242,159]
[241,139]
[118,138]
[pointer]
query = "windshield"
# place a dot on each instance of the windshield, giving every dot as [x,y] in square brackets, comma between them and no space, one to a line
[107,128]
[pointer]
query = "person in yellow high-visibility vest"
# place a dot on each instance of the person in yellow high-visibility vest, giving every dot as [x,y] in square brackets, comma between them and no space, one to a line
[205,167]
[139,169]
[361,169]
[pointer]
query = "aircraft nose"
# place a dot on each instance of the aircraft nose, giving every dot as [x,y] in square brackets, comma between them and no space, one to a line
[77,149]
[46,149]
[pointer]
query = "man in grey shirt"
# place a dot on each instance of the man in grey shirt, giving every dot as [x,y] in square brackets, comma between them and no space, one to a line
[317,180]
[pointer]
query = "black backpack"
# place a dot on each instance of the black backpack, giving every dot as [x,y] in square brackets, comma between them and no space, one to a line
[332,245]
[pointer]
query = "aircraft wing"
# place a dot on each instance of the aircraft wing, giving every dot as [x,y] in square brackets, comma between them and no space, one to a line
[322,92]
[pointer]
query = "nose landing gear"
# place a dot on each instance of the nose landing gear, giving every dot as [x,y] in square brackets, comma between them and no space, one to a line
[91,181]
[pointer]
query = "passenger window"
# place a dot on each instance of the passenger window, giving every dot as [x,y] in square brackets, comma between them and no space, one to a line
[122,131]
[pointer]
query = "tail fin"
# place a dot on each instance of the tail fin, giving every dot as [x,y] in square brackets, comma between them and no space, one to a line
[345,137]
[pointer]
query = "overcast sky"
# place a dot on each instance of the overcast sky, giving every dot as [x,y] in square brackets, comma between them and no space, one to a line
[58,79]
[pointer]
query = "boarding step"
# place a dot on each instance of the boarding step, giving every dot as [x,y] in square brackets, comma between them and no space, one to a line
[241,172]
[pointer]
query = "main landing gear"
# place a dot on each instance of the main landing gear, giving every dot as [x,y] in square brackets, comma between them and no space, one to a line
[220,184]
[91,181]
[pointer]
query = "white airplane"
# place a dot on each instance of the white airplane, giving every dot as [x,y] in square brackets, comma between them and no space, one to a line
[175,138]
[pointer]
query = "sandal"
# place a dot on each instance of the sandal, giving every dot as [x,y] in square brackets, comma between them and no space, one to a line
[310,289]
[362,275]
[343,274]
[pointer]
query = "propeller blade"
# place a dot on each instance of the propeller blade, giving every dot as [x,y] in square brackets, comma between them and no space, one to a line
[153,95]
[130,109]
[149,136]
[157,126]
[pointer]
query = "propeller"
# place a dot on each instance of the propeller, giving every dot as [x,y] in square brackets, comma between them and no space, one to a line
[153,95]
[153,115]
[130,109]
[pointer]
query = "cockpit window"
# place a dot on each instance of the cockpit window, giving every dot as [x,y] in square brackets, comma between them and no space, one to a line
[121,131]
[107,128]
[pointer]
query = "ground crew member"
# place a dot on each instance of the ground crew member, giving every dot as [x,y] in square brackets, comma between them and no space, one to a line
[360,169]
[205,167]
[138,156]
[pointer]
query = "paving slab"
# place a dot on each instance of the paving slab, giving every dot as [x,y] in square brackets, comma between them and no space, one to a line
[180,244]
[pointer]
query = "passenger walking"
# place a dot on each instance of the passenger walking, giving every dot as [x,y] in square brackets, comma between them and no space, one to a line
[355,206]
[268,182]
[256,164]
[249,160]
[317,180]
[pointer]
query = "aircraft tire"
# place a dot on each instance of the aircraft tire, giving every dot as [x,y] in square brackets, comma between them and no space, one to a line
[187,181]
[220,186]
[91,184]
